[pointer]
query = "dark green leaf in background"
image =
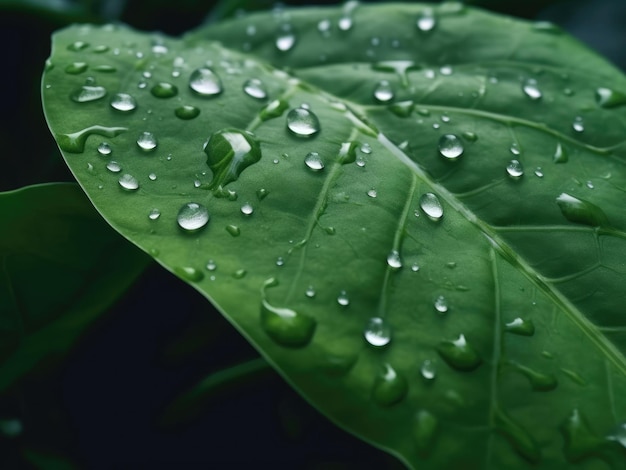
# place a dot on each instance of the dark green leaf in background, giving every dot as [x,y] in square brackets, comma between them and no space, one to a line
[420,224]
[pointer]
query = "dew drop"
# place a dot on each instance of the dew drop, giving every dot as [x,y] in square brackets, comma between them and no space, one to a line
[372,193]
[211,265]
[313,161]
[580,211]
[608,98]
[426,20]
[459,354]
[538,381]
[514,169]
[247,209]
[123,102]
[377,332]
[152,177]
[430,204]
[519,326]
[425,431]
[233,230]
[393,260]
[88,93]
[415,267]
[531,89]
[345,23]
[428,371]
[560,154]
[254,87]
[285,41]
[205,82]
[147,141]
[366,148]
[154,214]
[78,46]
[229,152]
[128,182]
[302,122]
[189,273]
[441,304]
[343,299]
[383,92]
[450,146]
[192,217]
[273,109]
[186,112]
[514,149]
[113,167]
[164,90]
[76,68]
[470,136]
[104,149]
[310,292]
[390,387]
[578,124]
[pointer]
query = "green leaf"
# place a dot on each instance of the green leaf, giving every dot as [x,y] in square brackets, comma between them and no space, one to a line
[62,267]
[431,246]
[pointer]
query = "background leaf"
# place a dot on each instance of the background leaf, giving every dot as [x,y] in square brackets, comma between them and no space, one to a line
[408,264]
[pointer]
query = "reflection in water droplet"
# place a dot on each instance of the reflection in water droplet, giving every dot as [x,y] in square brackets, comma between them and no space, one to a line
[519,326]
[514,149]
[280,261]
[302,122]
[123,102]
[104,149]
[377,332]
[415,267]
[128,182]
[254,87]
[459,354]
[580,211]
[390,387]
[113,167]
[393,260]
[192,217]
[515,169]
[431,206]
[154,214]
[426,20]
[313,161]
[87,93]
[531,89]
[441,304]
[164,90]
[205,82]
[383,92]
[578,125]
[342,299]
[347,153]
[428,370]
[147,141]
[229,152]
[608,98]
[560,154]
[450,146]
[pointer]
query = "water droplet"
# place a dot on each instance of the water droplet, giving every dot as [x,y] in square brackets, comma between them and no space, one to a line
[589,184]
[470,136]
[390,387]
[514,149]
[104,149]
[88,93]
[393,260]
[310,292]
[366,148]
[76,67]
[520,326]
[192,217]
[441,304]
[538,172]
[618,434]
[313,161]
[446,70]
[372,193]
[285,326]
[342,299]
[113,167]
[261,193]
[580,211]
[459,354]
[205,82]
[415,267]
[302,122]
[233,230]
[402,109]
[607,98]
[211,265]
[123,102]
[154,214]
[345,23]
[254,87]
[560,154]
[450,146]
[531,89]
[280,261]
[377,332]
[578,124]
[229,152]
[428,370]
[78,46]
[189,273]
[518,437]
[425,431]
[75,142]
[383,92]
[538,381]
[147,141]
[347,153]
[431,206]
[580,441]
[152,177]
[186,112]
[128,182]
[164,90]
[273,109]
[426,20]
[247,209]
[515,169]
[285,41]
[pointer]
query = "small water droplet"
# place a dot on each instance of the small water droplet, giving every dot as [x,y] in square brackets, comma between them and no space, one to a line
[345,23]
[426,20]
[383,92]
[390,387]
[123,102]
[446,70]
[538,172]
[280,261]
[261,193]
[192,217]
[424,431]
[285,41]
[313,161]
[247,209]
[441,304]
[310,292]
[431,206]
[459,354]
[578,124]
[580,211]
[76,68]
[428,370]
[273,109]
[128,182]
[538,381]
[164,90]
[154,214]
[152,177]
[254,87]
[233,230]
[450,146]
[515,169]
[343,299]
[531,89]
[366,148]
[189,273]
[302,122]
[186,112]
[113,167]
[104,149]
[520,326]
[608,98]
[88,93]
[415,267]
[560,154]
[147,141]
[204,82]
[377,332]
[514,149]
[211,265]
[78,46]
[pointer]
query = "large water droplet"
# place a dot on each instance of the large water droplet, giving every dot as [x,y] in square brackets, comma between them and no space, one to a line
[302,122]
[113,167]
[531,89]
[538,381]
[424,431]
[313,161]
[518,437]
[515,169]
[186,112]
[580,441]
[104,149]
[608,98]
[247,209]
[128,182]
[123,102]
[87,93]
[426,20]
[394,261]
[580,211]
[450,146]
[164,90]
[441,304]
[383,92]
[192,217]
[147,141]
[75,142]
[229,152]
[390,387]
[254,87]
[377,332]
[431,206]
[519,326]
[458,353]
[205,82]
[285,326]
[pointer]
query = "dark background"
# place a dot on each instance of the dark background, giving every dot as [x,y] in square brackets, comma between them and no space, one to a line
[100,408]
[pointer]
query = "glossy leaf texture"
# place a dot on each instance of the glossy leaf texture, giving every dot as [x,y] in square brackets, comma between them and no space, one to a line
[418,221]
[62,268]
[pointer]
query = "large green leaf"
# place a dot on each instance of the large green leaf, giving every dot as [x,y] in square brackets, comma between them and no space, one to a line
[420,224]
